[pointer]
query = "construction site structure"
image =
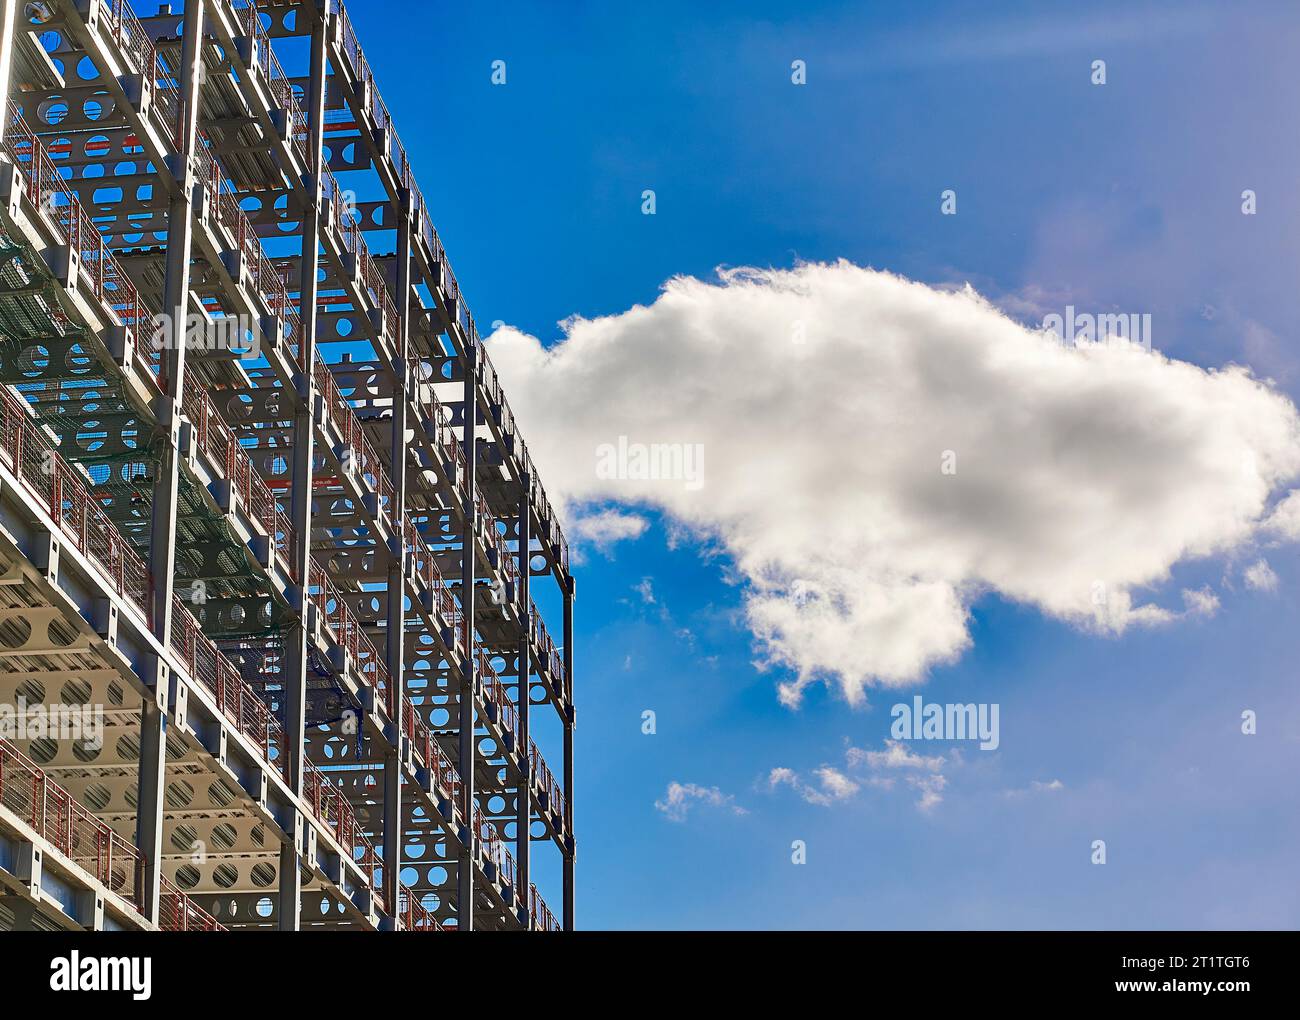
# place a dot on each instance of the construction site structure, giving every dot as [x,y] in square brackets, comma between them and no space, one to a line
[272,547]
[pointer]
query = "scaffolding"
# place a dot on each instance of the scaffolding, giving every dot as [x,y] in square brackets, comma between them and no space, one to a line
[269,532]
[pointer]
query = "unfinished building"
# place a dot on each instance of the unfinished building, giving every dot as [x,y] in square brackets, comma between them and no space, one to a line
[272,548]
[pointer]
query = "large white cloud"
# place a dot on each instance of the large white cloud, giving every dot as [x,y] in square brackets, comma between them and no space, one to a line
[827,401]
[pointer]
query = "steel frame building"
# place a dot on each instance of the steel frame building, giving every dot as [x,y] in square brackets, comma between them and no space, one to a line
[263,503]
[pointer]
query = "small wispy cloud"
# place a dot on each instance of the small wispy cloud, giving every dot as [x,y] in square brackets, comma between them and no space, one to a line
[679,798]
[896,755]
[877,769]
[1259,576]
[605,528]
[829,785]
[1037,786]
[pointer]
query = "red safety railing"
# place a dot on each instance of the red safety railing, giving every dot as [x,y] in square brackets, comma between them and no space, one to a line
[546,649]
[432,409]
[354,242]
[219,442]
[495,691]
[47,188]
[368,464]
[545,780]
[328,804]
[545,513]
[426,568]
[177,912]
[34,459]
[347,631]
[281,88]
[221,678]
[543,919]
[122,24]
[495,848]
[112,285]
[50,810]
[496,541]
[413,914]
[445,776]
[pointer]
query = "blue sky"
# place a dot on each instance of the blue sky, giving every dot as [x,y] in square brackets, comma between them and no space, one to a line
[1123,196]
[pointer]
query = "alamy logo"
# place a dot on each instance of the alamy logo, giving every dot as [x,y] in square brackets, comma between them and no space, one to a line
[919,721]
[77,973]
[652,462]
[236,335]
[22,722]
[1104,327]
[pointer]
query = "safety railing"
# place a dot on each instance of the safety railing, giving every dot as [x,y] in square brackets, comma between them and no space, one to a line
[218,442]
[542,506]
[495,848]
[432,410]
[208,666]
[455,451]
[177,912]
[328,804]
[122,24]
[445,777]
[546,650]
[270,280]
[347,631]
[413,914]
[496,541]
[368,464]
[34,459]
[495,692]
[402,168]
[354,243]
[111,284]
[47,188]
[545,780]
[496,395]
[426,568]
[50,810]
[266,61]
[543,919]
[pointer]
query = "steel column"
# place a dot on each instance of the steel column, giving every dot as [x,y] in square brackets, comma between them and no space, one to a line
[524,805]
[8,40]
[569,593]
[468,682]
[396,617]
[152,776]
[289,914]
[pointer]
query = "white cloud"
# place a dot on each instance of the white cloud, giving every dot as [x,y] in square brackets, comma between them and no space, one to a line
[931,789]
[1037,786]
[920,772]
[1259,576]
[825,398]
[836,784]
[1284,521]
[896,755]
[680,797]
[832,785]
[605,527]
